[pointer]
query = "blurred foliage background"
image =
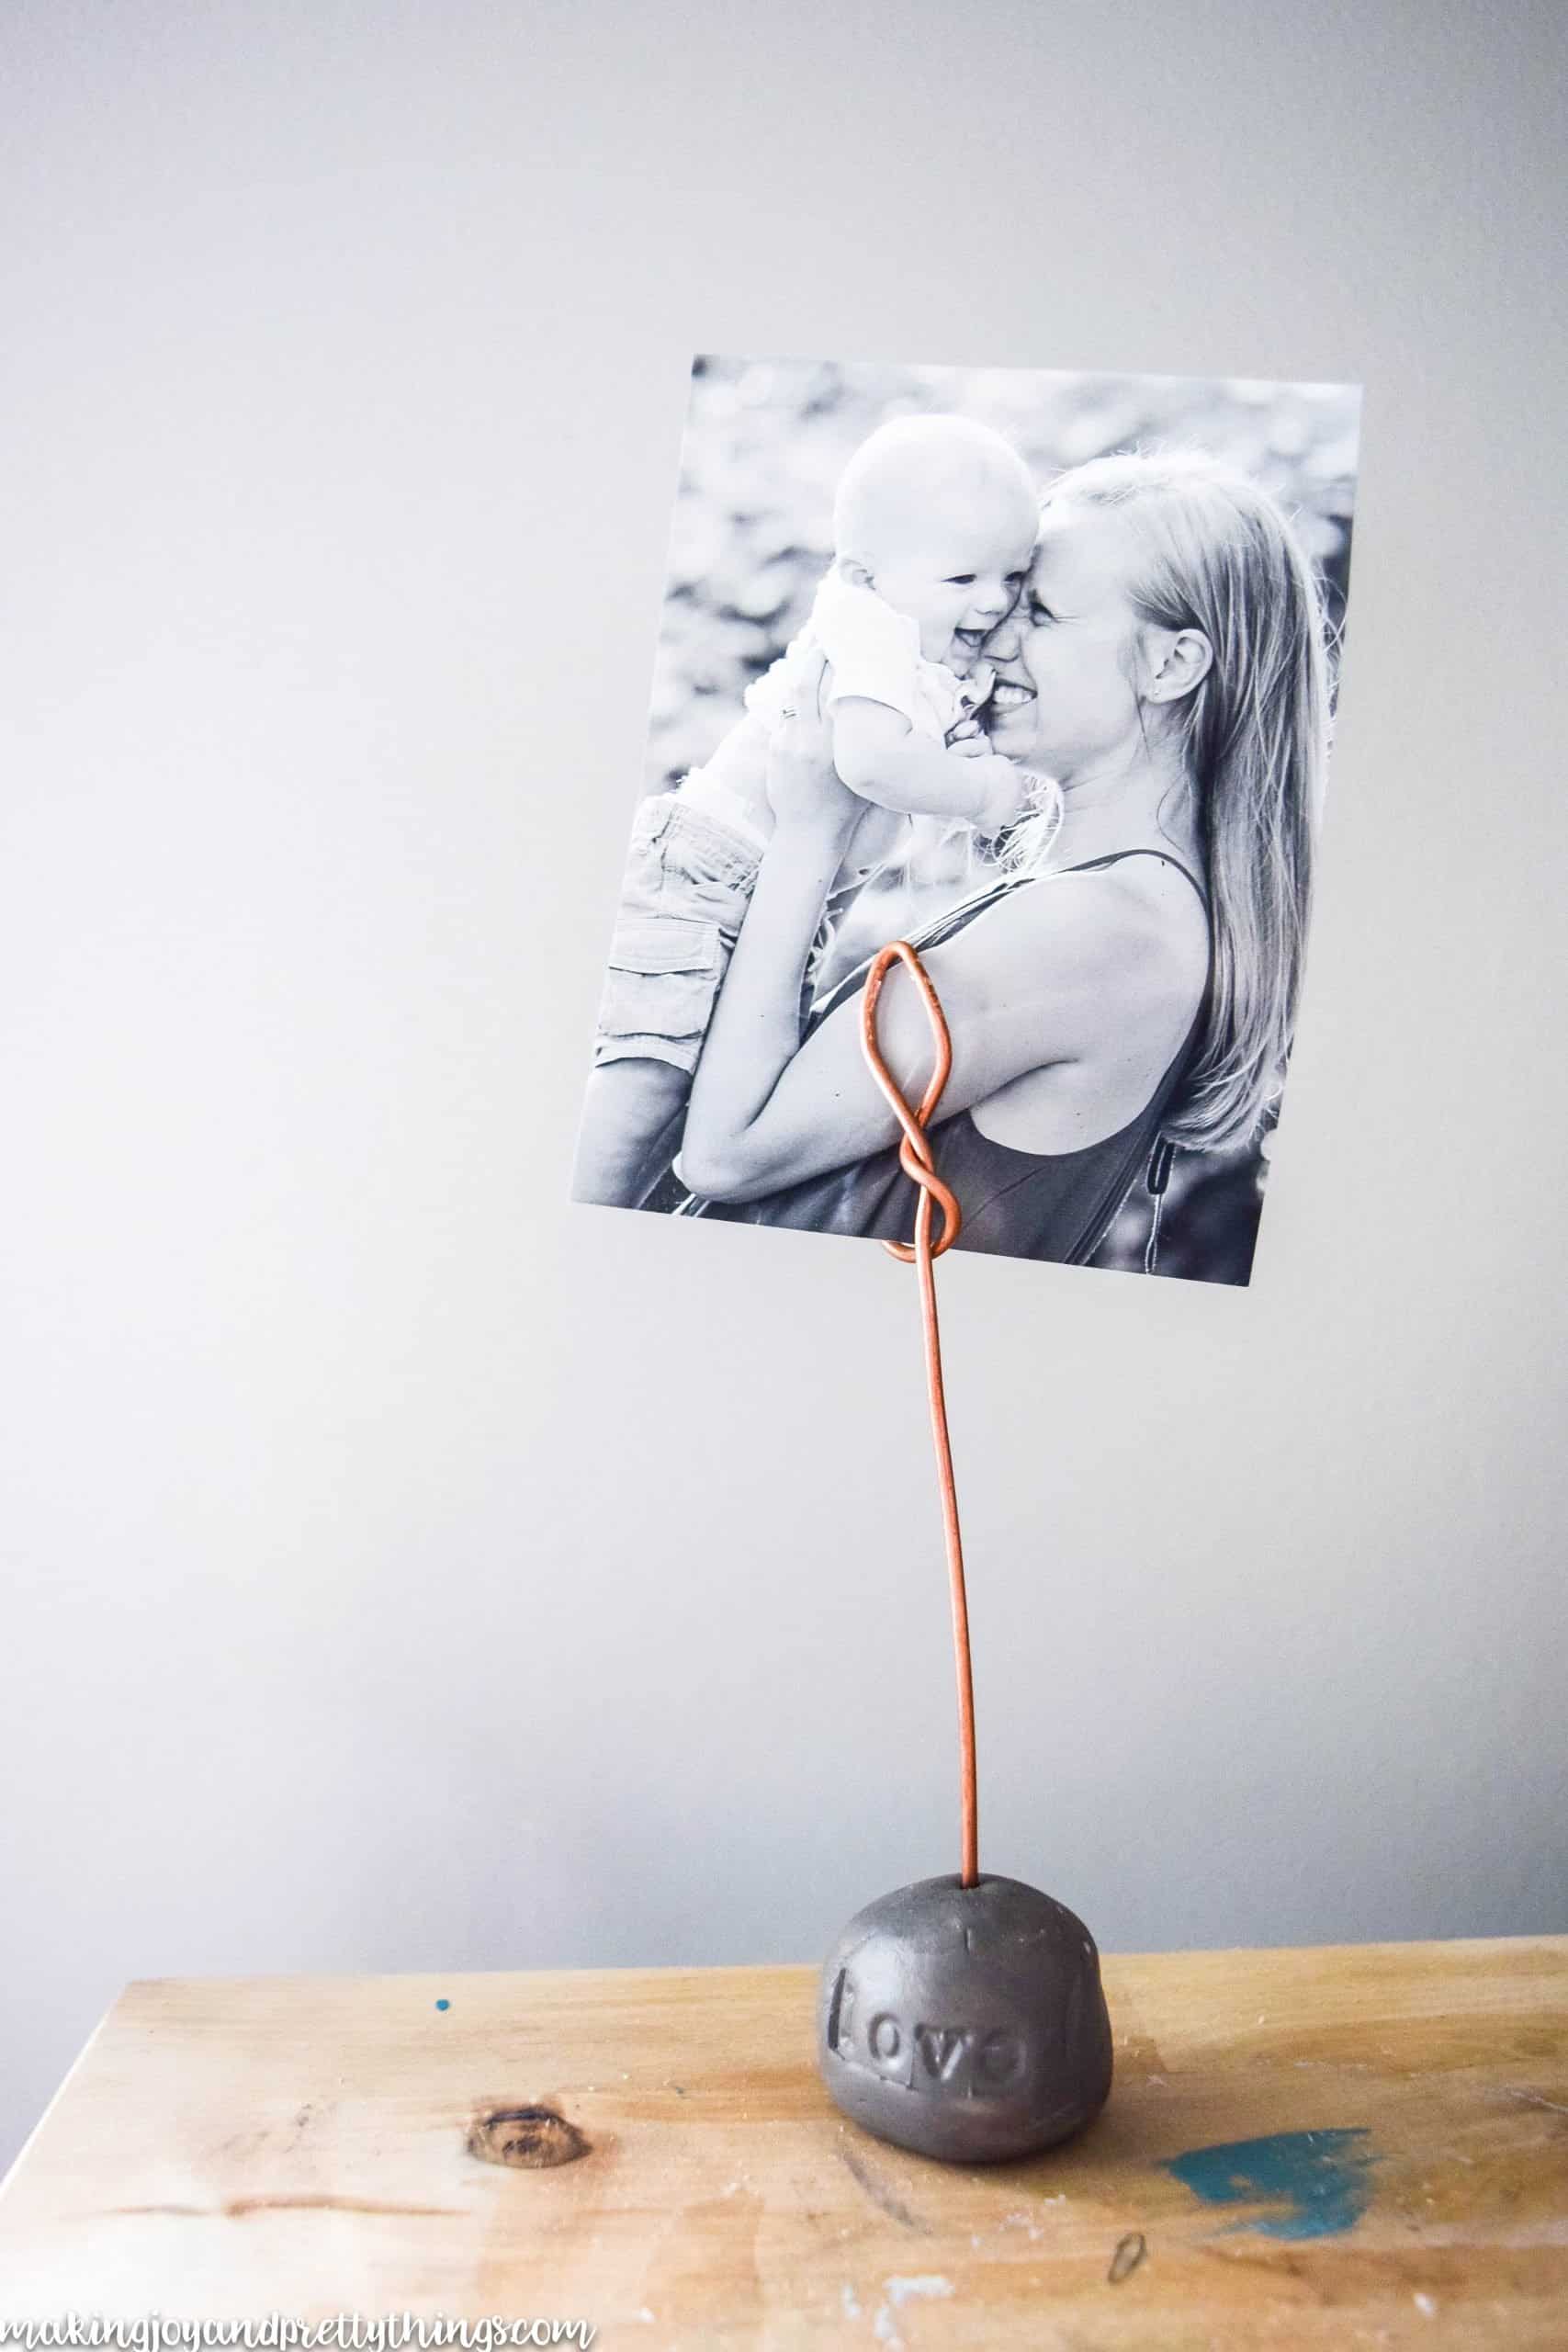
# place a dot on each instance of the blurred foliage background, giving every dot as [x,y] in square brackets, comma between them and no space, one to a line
[765,442]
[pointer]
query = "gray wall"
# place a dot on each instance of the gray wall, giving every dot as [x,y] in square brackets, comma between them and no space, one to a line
[406,1569]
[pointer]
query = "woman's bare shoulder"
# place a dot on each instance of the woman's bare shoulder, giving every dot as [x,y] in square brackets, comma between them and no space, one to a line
[1128,923]
[1152,896]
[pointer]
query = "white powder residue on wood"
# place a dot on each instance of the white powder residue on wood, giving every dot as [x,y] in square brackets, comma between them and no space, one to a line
[903,2290]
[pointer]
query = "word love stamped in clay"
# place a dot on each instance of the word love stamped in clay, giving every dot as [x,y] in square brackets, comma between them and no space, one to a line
[943,2059]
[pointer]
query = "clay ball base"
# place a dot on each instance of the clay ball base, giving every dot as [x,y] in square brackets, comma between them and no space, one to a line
[966,2023]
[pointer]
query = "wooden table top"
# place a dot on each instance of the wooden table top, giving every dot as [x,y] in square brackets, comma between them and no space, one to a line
[1362,2145]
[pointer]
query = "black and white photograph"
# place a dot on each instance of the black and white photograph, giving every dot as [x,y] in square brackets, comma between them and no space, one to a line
[1034,671]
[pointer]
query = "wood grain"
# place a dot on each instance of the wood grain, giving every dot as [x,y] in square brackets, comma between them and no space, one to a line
[232,2148]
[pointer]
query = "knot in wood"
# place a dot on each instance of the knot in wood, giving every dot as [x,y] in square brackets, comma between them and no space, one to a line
[530,2138]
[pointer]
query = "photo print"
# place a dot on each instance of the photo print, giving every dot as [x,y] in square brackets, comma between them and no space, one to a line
[1035,670]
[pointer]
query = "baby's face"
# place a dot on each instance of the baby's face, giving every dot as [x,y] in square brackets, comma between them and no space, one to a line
[956,574]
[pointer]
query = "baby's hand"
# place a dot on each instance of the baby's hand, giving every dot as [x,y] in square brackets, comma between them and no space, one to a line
[1000,787]
[1001,790]
[969,740]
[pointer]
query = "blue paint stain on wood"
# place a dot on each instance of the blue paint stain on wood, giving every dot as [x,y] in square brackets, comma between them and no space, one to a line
[443,2004]
[1323,2179]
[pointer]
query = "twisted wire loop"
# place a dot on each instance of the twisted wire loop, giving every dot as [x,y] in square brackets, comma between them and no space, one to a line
[916,1159]
[914,1152]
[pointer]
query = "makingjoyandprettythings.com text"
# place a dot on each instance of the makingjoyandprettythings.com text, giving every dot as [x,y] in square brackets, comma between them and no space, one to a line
[344,2332]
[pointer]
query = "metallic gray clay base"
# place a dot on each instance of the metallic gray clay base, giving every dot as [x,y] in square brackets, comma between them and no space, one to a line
[968,2024]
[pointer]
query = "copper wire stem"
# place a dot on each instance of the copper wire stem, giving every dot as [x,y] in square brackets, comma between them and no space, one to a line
[914,1157]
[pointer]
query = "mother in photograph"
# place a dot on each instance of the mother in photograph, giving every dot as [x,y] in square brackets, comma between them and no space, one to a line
[1134,974]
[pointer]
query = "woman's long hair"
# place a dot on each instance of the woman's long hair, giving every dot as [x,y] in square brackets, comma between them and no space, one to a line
[1219,556]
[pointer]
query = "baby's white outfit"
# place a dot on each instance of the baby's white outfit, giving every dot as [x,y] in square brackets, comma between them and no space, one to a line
[875,654]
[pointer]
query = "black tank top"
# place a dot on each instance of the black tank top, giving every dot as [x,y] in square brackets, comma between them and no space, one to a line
[1051,1206]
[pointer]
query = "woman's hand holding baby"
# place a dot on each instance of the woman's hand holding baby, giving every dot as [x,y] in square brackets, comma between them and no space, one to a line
[804,787]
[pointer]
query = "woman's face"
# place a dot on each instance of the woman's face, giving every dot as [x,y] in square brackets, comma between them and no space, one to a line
[1067,698]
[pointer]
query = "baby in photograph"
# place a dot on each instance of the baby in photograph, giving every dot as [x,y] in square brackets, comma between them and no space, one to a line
[933,527]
